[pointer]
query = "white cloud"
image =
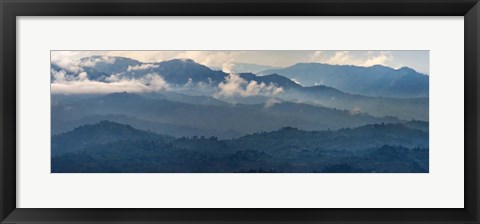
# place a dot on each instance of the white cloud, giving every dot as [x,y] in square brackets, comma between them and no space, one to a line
[363,58]
[82,76]
[271,102]
[92,61]
[189,83]
[62,77]
[141,67]
[234,85]
[155,82]
[222,59]
[114,78]
[82,85]
[342,58]
[382,59]
[90,87]
[227,67]
[317,56]
[70,61]
[58,76]
[66,61]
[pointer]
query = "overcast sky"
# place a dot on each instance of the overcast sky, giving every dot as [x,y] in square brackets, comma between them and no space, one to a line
[418,60]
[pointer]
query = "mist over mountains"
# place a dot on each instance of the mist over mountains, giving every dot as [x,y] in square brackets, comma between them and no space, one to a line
[116,114]
[377,80]
[207,117]
[190,78]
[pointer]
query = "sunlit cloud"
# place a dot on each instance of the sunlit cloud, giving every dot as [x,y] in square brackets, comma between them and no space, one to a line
[82,85]
[365,58]
[70,61]
[271,102]
[234,85]
[224,60]
[141,67]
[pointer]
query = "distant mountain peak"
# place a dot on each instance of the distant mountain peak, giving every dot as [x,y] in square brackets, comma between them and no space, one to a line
[405,68]
[108,122]
[103,132]
[182,60]
[101,125]
[379,66]
[376,80]
[123,94]
[288,128]
[107,58]
[276,76]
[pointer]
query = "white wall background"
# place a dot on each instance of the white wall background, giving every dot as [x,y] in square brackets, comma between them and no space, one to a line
[442,187]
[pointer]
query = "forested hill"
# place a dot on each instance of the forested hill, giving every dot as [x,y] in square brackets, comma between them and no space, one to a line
[370,148]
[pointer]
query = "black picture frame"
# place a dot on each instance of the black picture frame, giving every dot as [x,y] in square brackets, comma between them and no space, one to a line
[10,9]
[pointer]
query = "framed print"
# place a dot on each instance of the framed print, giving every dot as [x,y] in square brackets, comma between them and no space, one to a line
[245,112]
[112,114]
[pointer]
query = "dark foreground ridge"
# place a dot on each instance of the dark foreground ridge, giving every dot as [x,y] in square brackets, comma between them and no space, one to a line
[109,147]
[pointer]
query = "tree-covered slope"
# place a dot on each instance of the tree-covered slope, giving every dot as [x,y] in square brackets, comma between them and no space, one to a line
[371,148]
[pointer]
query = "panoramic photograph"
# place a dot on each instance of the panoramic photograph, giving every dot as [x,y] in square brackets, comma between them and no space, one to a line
[261,111]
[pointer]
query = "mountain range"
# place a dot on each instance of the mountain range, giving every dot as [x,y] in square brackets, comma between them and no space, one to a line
[209,118]
[375,80]
[343,91]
